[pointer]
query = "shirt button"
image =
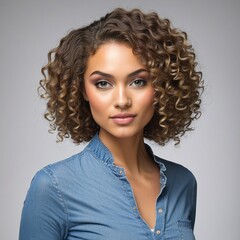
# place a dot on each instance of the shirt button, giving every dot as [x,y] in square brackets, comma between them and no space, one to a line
[134,208]
[160,210]
[158,232]
[120,171]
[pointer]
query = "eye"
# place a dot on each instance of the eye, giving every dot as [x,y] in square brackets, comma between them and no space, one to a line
[103,84]
[138,83]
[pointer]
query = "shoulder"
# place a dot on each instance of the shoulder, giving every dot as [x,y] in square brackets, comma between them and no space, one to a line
[44,206]
[62,173]
[176,167]
[51,182]
[66,167]
[44,184]
[176,172]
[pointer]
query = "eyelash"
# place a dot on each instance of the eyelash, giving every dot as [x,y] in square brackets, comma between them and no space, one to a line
[102,84]
[136,81]
[99,84]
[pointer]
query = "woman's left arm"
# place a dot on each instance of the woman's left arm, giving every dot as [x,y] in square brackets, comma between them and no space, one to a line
[194,203]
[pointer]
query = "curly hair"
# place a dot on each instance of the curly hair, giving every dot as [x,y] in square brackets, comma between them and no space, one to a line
[164,50]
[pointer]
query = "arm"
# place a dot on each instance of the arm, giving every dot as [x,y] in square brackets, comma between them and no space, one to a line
[44,213]
[194,202]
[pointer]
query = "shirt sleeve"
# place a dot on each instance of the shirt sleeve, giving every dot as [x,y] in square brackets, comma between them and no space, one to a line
[44,214]
[194,203]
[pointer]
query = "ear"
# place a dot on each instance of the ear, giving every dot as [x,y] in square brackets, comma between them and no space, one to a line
[85,96]
[83,90]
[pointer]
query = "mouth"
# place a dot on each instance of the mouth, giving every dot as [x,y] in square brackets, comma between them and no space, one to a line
[123,118]
[123,115]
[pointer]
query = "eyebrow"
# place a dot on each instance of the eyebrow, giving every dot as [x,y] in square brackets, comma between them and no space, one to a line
[111,76]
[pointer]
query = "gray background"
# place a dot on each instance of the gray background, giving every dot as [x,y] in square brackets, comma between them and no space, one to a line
[28,29]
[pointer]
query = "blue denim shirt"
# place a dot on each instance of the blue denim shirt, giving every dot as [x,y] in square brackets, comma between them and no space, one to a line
[88,197]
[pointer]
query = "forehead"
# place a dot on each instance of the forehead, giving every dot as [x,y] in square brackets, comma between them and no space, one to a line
[112,58]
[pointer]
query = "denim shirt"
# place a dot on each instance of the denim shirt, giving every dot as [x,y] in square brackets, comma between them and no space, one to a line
[88,197]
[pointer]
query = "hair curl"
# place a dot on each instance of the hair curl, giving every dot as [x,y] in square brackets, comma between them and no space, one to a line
[164,50]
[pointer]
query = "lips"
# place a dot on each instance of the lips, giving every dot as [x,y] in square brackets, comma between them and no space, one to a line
[123,118]
[123,115]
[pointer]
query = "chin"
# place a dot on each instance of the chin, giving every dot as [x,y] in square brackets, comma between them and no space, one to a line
[125,133]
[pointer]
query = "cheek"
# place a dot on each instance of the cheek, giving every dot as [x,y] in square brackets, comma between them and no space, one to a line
[97,103]
[146,99]
[146,103]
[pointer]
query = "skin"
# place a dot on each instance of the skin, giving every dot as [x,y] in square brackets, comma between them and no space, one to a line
[120,94]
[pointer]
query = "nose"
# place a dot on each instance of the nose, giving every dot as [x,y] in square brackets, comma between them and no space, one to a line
[122,99]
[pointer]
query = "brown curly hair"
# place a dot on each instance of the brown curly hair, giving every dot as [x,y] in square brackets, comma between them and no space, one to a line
[164,50]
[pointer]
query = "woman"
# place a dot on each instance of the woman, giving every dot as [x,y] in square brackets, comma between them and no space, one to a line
[123,78]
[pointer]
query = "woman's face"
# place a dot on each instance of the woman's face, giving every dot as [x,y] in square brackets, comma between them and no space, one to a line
[119,90]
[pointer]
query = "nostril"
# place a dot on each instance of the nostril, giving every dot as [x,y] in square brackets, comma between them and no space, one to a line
[123,103]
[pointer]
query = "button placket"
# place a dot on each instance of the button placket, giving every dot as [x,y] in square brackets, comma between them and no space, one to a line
[160,210]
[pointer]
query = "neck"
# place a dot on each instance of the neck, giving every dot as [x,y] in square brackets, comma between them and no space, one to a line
[129,153]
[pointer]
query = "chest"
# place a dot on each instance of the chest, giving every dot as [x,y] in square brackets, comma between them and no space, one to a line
[104,206]
[146,193]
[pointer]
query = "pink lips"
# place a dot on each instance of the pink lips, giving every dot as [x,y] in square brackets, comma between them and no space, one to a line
[123,118]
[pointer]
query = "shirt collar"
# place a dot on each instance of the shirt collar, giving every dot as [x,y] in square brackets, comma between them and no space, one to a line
[103,154]
[163,178]
[100,150]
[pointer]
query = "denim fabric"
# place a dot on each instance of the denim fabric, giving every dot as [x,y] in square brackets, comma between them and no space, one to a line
[88,197]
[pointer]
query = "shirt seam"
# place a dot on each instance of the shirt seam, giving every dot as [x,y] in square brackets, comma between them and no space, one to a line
[56,184]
